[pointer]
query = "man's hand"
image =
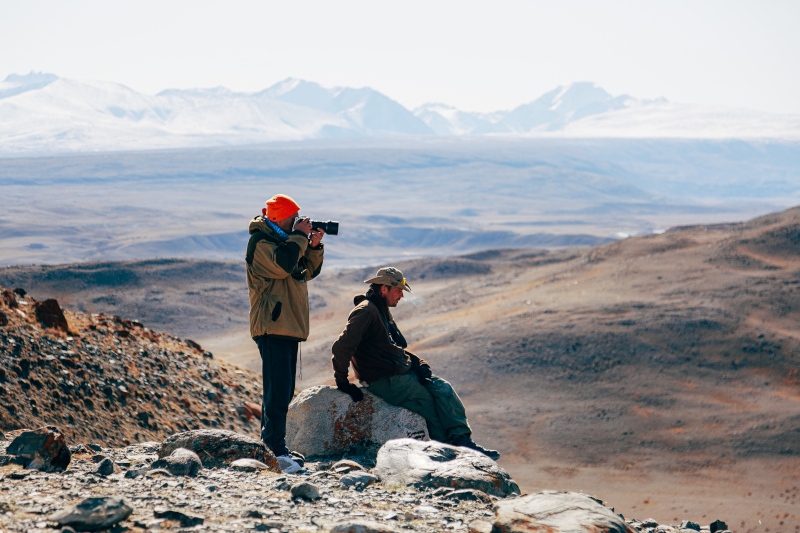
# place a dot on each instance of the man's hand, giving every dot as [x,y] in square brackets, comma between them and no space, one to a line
[316,237]
[303,224]
[353,390]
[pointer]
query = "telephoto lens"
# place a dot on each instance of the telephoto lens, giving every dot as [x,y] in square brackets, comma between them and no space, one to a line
[330,227]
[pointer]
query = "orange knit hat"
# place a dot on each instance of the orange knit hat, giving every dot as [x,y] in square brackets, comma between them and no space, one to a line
[279,207]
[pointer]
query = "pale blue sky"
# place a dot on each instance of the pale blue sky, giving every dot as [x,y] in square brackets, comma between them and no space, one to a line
[478,56]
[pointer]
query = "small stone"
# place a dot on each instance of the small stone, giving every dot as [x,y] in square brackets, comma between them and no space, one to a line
[362,526]
[473,495]
[305,490]
[136,472]
[95,447]
[650,522]
[94,513]
[252,512]
[186,519]
[686,524]
[480,526]
[158,472]
[181,462]
[358,479]
[106,467]
[718,525]
[346,464]
[78,448]
[248,465]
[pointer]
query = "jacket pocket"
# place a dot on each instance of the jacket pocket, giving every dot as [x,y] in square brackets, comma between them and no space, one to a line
[276,310]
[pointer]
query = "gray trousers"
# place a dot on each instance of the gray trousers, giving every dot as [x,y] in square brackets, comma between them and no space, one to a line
[436,402]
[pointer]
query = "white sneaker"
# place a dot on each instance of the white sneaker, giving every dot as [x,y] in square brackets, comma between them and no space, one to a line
[288,464]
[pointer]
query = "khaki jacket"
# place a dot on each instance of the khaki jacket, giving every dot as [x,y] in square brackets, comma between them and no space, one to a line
[277,272]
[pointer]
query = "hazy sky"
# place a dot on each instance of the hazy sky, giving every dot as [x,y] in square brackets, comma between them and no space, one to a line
[478,56]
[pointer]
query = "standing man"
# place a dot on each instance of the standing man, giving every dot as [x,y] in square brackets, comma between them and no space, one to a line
[375,346]
[283,254]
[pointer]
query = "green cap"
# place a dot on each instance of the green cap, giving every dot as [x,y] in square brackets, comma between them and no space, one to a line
[390,276]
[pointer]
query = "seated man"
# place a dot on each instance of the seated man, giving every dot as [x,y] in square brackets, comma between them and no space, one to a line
[376,347]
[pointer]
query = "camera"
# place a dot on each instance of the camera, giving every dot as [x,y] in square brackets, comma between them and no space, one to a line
[330,227]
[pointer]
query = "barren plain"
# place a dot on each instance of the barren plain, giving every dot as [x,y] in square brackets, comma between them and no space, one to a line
[658,372]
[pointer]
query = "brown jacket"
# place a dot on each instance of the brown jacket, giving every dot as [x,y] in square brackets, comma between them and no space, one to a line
[277,272]
[365,341]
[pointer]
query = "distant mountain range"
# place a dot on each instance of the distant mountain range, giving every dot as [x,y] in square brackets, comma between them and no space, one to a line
[42,113]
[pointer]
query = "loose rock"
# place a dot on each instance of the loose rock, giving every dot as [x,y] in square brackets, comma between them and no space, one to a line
[94,513]
[358,479]
[186,519]
[471,495]
[181,462]
[362,526]
[686,524]
[305,490]
[218,448]
[45,448]
[325,421]
[248,465]
[50,315]
[557,512]
[106,467]
[434,464]
[345,466]
[718,525]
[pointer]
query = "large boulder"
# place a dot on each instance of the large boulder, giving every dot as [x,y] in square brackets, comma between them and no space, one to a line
[433,464]
[42,449]
[557,512]
[325,421]
[218,448]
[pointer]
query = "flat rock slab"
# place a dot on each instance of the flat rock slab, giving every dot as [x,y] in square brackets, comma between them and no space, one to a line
[557,512]
[325,421]
[93,514]
[218,448]
[433,464]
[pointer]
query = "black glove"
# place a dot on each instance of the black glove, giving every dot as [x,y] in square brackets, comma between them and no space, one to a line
[421,369]
[353,390]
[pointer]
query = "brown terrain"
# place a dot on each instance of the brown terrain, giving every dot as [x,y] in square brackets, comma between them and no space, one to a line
[659,373]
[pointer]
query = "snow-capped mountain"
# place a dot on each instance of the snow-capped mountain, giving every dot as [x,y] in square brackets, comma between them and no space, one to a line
[550,112]
[44,113]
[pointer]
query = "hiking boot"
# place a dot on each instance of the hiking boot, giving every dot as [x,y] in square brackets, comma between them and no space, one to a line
[298,457]
[466,441]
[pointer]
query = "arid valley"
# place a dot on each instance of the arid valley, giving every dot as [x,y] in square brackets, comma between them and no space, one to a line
[659,372]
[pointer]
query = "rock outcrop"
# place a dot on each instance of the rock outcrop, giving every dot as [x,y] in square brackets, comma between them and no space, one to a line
[557,512]
[325,421]
[218,448]
[433,464]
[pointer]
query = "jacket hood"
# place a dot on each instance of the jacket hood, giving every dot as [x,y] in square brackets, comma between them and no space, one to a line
[359,298]
[259,223]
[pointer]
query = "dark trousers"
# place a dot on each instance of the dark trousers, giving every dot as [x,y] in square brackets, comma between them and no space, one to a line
[278,366]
